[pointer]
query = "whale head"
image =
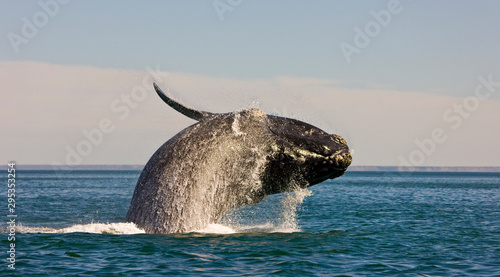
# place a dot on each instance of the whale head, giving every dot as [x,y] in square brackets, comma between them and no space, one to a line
[303,155]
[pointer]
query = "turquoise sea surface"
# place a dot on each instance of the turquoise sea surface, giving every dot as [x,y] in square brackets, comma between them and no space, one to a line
[361,224]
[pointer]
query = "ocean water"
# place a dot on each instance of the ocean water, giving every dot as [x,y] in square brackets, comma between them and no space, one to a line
[362,224]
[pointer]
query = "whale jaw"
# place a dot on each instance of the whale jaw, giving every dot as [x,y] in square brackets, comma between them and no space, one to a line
[302,156]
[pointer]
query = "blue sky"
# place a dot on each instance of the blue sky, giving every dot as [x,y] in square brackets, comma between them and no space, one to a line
[430,45]
[434,48]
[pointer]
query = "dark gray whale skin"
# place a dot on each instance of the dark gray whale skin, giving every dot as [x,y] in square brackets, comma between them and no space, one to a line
[228,160]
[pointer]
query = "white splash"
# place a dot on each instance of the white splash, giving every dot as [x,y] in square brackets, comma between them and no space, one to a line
[268,227]
[280,215]
[216,229]
[290,202]
[96,228]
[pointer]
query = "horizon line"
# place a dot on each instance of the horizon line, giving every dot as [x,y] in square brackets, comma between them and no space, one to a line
[358,168]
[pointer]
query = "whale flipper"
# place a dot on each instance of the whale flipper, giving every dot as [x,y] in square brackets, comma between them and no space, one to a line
[191,113]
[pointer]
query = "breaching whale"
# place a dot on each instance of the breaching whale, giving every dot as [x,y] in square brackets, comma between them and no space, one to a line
[227,160]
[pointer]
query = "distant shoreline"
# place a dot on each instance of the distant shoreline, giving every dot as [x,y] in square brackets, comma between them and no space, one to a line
[352,168]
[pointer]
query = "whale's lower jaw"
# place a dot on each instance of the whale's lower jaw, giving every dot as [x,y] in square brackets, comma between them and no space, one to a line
[293,167]
[336,165]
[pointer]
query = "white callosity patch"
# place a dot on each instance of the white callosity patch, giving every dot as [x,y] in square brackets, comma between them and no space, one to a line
[236,125]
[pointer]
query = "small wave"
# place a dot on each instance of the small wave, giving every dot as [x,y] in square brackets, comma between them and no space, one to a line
[96,228]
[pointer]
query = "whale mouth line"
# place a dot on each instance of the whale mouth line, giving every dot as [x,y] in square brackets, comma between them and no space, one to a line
[338,161]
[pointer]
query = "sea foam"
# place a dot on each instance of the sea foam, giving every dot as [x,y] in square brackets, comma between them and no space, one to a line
[96,228]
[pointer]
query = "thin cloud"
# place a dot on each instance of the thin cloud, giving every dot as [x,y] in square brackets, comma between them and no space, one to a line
[50,105]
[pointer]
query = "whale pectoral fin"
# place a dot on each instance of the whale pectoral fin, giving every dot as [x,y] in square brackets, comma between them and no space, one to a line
[191,113]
